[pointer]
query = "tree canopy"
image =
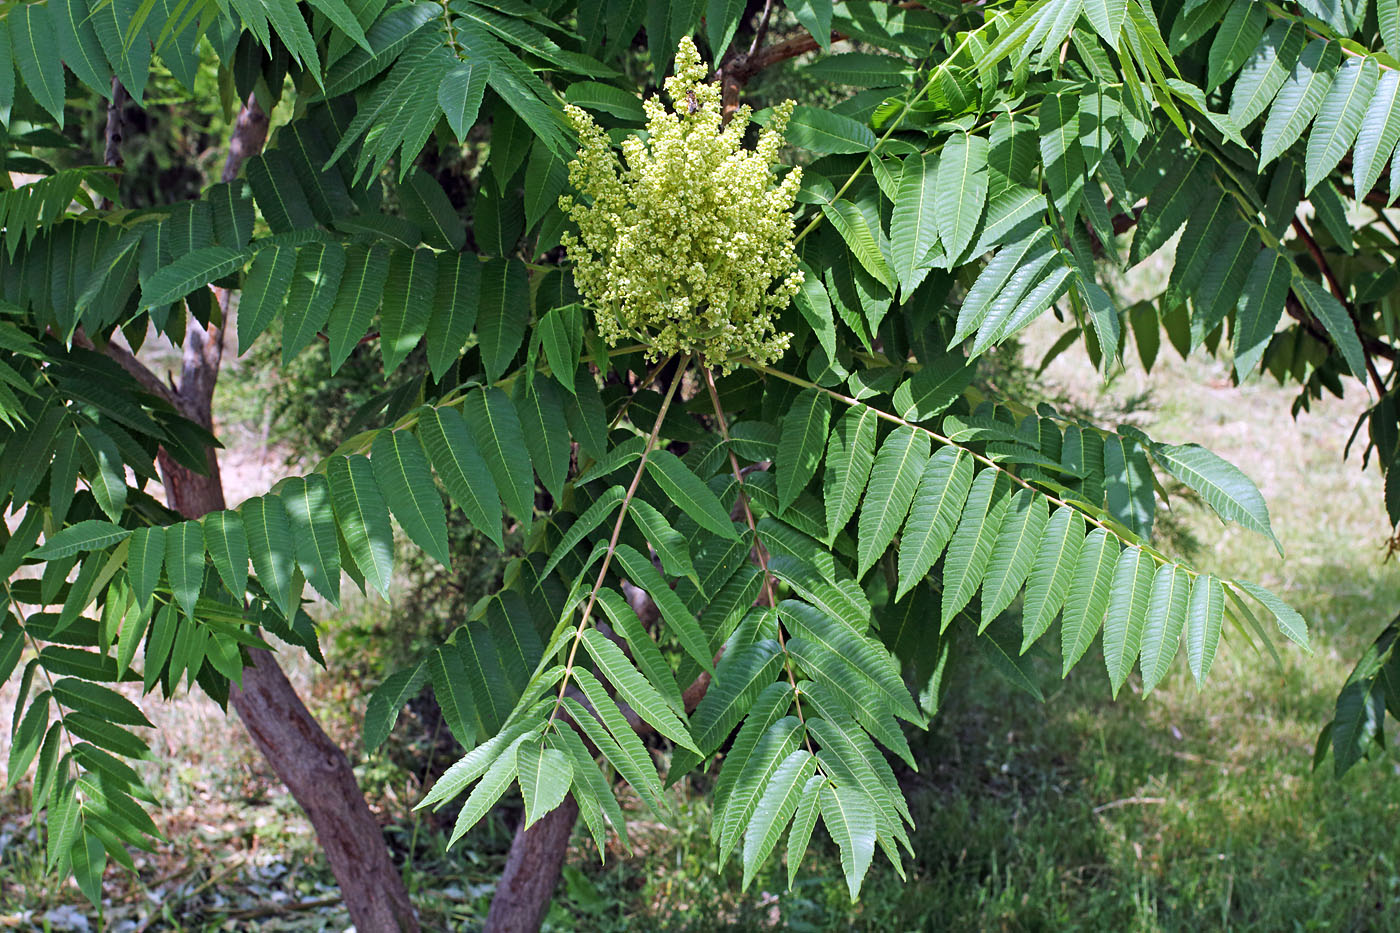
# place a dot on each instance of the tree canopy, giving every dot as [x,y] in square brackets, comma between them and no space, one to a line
[731,375]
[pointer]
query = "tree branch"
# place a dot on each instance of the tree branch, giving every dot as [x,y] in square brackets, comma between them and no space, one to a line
[1340,294]
[738,69]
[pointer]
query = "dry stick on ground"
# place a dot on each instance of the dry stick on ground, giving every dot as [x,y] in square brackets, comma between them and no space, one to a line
[312,766]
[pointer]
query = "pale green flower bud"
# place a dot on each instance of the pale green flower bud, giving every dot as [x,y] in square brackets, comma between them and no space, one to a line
[686,244]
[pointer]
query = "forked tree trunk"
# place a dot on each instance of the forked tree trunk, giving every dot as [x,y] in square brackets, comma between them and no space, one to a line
[532,871]
[312,766]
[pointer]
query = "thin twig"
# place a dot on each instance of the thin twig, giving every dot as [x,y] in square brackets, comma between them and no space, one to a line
[759,550]
[616,533]
[1129,802]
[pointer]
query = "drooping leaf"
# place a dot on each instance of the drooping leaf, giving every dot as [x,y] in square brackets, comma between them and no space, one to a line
[895,476]
[1166,618]
[970,550]
[404,477]
[803,432]
[1088,595]
[933,514]
[1128,599]
[850,453]
[1204,613]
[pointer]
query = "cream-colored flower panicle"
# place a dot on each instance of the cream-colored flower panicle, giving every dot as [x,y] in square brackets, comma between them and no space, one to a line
[686,244]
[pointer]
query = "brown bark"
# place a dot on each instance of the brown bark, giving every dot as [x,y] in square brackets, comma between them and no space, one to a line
[312,766]
[532,871]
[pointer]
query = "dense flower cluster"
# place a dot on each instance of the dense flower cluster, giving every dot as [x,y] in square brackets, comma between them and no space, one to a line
[687,244]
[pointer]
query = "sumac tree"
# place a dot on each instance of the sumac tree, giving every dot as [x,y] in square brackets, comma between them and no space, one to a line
[726,386]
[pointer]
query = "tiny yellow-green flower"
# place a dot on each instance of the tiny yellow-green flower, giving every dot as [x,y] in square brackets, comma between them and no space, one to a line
[686,243]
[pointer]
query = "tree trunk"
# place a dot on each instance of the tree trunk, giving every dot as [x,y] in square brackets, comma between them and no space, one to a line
[532,870]
[312,766]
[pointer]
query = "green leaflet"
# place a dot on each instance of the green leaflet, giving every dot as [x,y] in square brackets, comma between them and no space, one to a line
[272,177]
[1289,621]
[1204,614]
[409,291]
[462,469]
[584,525]
[803,432]
[34,43]
[1378,134]
[634,688]
[1016,546]
[1266,71]
[743,673]
[932,389]
[689,494]
[91,535]
[312,517]
[1226,489]
[644,650]
[459,95]
[191,271]
[315,282]
[271,548]
[495,426]
[850,453]
[591,789]
[1339,118]
[1298,99]
[385,702]
[404,477]
[804,820]
[619,743]
[504,311]
[227,542]
[1260,307]
[263,292]
[870,668]
[851,224]
[933,514]
[1128,484]
[970,549]
[1088,594]
[1338,322]
[1128,599]
[670,545]
[561,334]
[914,223]
[756,768]
[898,467]
[144,561]
[821,130]
[850,818]
[1166,617]
[493,784]
[1047,584]
[425,203]
[1235,41]
[960,192]
[541,409]
[184,563]
[545,775]
[361,286]
[679,619]
[363,517]
[775,809]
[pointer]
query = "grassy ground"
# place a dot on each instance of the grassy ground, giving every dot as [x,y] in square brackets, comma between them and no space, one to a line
[1184,810]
